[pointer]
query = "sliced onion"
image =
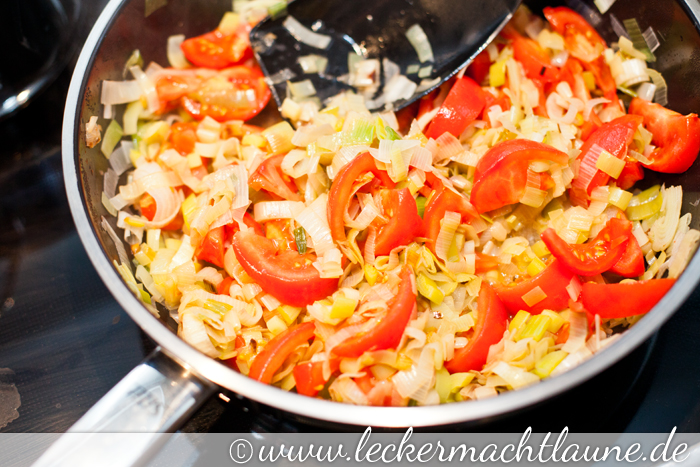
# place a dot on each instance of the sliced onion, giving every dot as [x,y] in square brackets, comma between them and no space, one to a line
[306,35]
[267,210]
[210,275]
[120,92]
[167,207]
[419,40]
[559,60]
[448,146]
[400,87]
[646,91]
[176,57]
[307,134]
[109,183]
[120,160]
[194,332]
[590,105]
[148,88]
[587,169]
[450,222]
[369,256]
[578,330]
[574,288]
[315,222]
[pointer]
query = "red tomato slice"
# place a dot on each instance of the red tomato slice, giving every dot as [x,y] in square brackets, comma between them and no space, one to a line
[341,191]
[553,281]
[631,174]
[309,376]
[273,355]
[404,222]
[485,263]
[278,231]
[388,331]
[171,88]
[676,137]
[224,286]
[479,68]
[492,322]
[148,209]
[572,73]
[624,300]
[183,136]
[212,247]
[535,59]
[288,276]
[581,39]
[462,106]
[237,93]
[441,201]
[604,79]
[500,178]
[269,177]
[614,137]
[596,256]
[218,50]
[631,263]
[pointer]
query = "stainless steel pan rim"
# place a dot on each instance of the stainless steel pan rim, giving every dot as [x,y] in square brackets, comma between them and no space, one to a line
[306,406]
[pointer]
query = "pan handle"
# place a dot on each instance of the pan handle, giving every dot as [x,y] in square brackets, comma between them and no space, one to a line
[155,398]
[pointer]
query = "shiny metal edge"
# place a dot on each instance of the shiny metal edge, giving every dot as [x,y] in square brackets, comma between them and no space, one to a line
[315,408]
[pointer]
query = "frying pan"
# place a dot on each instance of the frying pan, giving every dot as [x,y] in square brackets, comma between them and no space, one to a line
[166,388]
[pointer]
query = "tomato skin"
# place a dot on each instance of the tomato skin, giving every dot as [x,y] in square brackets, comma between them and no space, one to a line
[500,178]
[624,300]
[535,59]
[269,177]
[580,37]
[553,281]
[218,50]
[462,106]
[224,287]
[479,68]
[631,263]
[309,376]
[386,334]
[341,190]
[273,355]
[631,174]
[492,322]
[614,137]
[212,100]
[443,200]
[596,256]
[404,222]
[148,209]
[288,276]
[676,137]
[212,247]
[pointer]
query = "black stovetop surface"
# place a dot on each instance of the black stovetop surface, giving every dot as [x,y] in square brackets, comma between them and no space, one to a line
[64,340]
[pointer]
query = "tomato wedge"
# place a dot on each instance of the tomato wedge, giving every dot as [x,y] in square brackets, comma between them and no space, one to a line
[182,136]
[269,177]
[224,286]
[500,178]
[236,93]
[492,322]
[388,331]
[273,355]
[614,137]
[631,174]
[309,376]
[479,68]
[288,276]
[596,256]
[624,300]
[218,50]
[534,59]
[248,220]
[553,281]
[341,191]
[462,106]
[631,263]
[581,39]
[404,222]
[676,136]
[148,208]
[443,200]
[212,247]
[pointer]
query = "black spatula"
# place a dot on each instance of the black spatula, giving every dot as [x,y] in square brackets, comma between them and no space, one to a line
[457,30]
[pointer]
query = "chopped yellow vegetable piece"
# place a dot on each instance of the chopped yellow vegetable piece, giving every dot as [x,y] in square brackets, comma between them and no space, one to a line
[548,363]
[535,267]
[371,274]
[540,249]
[535,328]
[497,74]
[556,321]
[428,289]
[519,320]
[343,308]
